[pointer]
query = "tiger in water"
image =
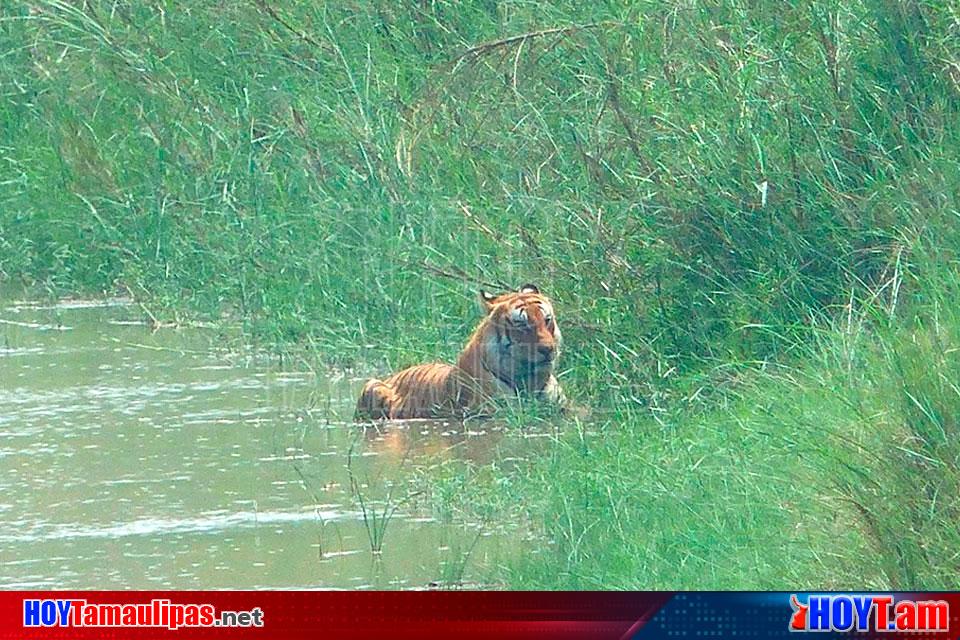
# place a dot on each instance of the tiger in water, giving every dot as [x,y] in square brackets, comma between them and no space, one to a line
[512,352]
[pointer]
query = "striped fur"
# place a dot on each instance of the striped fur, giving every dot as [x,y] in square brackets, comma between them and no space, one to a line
[513,351]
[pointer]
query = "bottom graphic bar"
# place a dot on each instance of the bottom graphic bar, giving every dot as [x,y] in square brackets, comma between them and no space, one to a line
[312,614]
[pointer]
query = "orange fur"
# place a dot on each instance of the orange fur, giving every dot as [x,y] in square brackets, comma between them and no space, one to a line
[513,351]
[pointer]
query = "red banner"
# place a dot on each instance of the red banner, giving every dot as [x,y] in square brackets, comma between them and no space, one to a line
[309,614]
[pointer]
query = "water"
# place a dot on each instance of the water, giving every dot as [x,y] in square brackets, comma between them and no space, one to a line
[138,459]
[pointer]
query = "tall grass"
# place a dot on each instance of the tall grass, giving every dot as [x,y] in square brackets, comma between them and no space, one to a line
[706,188]
[840,473]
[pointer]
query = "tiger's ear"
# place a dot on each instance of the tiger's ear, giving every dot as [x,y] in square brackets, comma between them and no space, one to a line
[486,301]
[529,288]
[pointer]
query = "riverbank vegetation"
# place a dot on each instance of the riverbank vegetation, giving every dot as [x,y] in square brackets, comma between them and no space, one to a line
[747,214]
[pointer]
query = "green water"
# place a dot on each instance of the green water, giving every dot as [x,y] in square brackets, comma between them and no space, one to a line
[132,458]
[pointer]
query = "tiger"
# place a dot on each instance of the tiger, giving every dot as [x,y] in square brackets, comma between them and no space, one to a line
[512,352]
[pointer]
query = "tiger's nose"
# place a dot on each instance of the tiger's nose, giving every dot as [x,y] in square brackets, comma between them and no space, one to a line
[546,351]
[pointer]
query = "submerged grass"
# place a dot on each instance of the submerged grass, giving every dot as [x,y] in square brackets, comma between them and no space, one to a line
[746,213]
[376,514]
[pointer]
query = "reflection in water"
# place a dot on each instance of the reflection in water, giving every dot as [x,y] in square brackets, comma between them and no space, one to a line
[438,440]
[131,459]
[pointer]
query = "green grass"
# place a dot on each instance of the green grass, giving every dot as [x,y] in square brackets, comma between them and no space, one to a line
[839,473]
[746,212]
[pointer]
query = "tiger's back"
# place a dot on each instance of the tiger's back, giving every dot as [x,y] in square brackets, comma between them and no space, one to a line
[422,391]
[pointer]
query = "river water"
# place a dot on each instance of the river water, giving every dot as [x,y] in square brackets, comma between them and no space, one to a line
[132,458]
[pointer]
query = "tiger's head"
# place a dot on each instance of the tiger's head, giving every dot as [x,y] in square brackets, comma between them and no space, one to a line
[521,341]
